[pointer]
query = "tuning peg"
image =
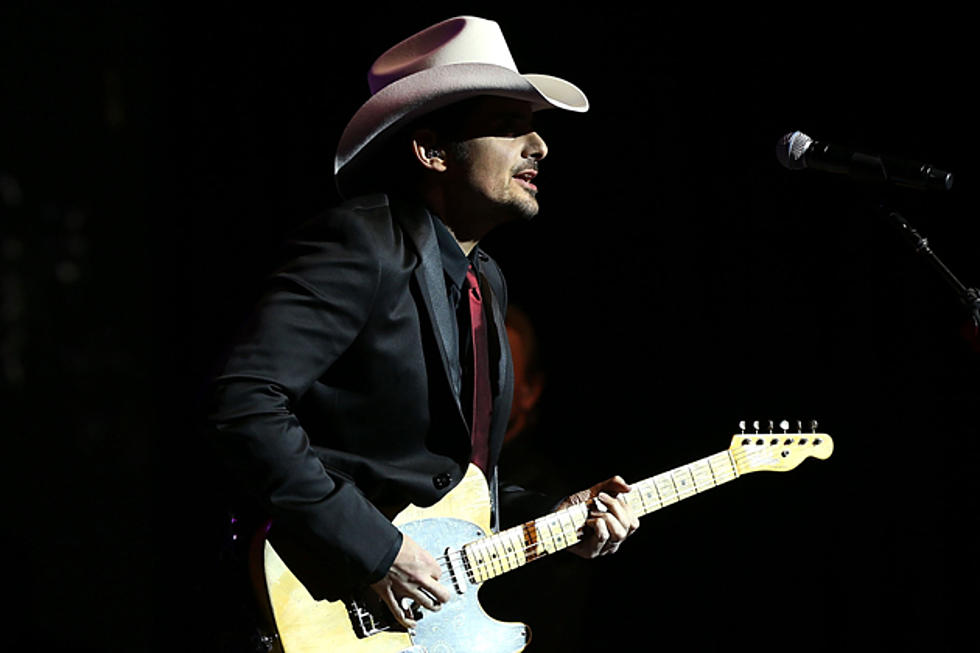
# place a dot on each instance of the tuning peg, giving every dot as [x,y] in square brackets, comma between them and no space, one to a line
[784,425]
[770,426]
[741,426]
[813,426]
[755,425]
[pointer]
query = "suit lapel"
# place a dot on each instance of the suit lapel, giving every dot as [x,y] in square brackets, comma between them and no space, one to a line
[498,336]
[417,223]
[502,381]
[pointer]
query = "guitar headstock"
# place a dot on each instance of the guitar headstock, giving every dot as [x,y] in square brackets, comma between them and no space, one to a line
[778,451]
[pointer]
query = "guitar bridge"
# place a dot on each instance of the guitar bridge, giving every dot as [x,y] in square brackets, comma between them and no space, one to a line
[369,616]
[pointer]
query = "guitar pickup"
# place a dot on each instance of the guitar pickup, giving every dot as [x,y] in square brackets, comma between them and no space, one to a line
[457,571]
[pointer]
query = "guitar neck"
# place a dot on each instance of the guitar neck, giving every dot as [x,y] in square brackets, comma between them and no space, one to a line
[496,554]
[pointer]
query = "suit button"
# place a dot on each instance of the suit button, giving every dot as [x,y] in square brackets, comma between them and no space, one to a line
[442,481]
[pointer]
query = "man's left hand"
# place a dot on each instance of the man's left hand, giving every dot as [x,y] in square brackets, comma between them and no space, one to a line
[609,523]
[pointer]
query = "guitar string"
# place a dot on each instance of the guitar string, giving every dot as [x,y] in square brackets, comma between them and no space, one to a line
[563,538]
[496,565]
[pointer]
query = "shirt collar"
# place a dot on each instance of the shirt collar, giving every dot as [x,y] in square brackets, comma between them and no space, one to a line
[454,262]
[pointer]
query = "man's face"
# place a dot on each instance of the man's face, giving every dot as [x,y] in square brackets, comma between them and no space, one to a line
[496,158]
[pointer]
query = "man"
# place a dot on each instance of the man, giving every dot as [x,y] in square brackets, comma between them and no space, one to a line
[366,379]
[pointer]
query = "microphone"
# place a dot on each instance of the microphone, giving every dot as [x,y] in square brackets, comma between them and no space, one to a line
[798,151]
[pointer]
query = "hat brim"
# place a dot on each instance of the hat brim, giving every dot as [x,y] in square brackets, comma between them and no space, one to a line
[413,96]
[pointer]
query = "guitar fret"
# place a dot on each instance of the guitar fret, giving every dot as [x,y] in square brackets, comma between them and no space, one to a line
[545,538]
[566,537]
[500,555]
[703,478]
[635,501]
[513,545]
[551,539]
[491,563]
[649,498]
[487,563]
[723,467]
[683,482]
[477,561]
[665,489]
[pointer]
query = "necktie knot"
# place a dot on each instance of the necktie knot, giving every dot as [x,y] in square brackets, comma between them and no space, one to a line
[473,284]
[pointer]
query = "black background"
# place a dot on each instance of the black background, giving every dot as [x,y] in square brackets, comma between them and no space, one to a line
[679,278]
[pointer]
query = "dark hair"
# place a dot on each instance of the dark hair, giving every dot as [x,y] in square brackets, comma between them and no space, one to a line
[392,166]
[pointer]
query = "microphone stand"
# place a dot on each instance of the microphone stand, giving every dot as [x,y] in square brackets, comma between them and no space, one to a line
[969,297]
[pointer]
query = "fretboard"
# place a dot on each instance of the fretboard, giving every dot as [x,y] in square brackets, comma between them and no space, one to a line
[496,554]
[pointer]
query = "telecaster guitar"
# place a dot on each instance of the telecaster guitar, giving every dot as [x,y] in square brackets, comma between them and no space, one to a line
[456,531]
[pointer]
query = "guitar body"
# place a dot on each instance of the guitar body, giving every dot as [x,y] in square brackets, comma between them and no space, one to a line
[359,625]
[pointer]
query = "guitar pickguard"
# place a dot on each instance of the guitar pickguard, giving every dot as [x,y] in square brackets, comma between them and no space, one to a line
[461,625]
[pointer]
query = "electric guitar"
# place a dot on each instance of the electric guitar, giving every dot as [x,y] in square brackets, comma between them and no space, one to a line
[456,531]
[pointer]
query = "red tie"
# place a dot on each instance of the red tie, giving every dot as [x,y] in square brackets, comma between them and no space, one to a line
[482,406]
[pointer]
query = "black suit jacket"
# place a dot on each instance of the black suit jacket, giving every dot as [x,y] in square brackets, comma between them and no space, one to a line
[342,394]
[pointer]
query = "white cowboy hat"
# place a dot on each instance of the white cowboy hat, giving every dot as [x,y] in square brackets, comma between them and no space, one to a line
[453,60]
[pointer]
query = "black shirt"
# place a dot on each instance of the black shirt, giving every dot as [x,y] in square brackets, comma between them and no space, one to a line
[454,266]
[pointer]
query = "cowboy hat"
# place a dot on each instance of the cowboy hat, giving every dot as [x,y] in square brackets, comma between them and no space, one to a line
[453,60]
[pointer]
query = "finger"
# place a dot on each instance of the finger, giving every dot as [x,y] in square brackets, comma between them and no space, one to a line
[610,548]
[436,591]
[600,534]
[624,513]
[401,614]
[614,485]
[606,541]
[427,599]
[628,519]
[618,517]
[617,530]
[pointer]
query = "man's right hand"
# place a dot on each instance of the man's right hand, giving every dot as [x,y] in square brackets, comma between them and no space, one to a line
[415,576]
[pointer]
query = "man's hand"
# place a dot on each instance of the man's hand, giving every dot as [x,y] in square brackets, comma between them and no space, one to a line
[414,576]
[606,527]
